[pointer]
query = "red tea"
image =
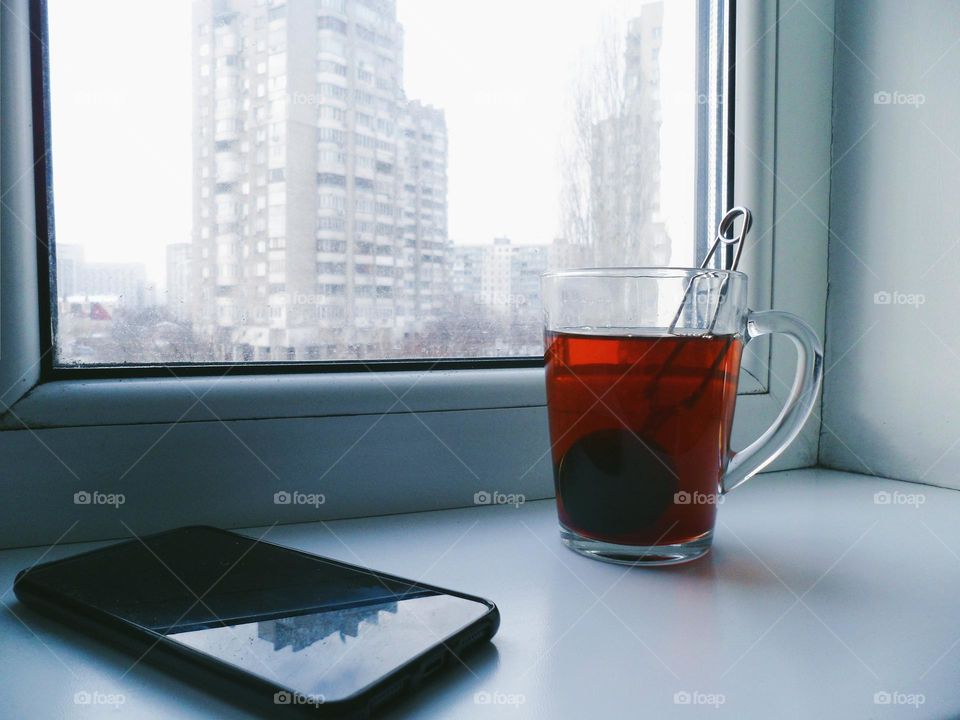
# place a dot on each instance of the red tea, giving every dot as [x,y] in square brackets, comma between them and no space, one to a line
[640,428]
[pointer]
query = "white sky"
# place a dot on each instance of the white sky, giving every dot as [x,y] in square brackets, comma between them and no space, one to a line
[502,70]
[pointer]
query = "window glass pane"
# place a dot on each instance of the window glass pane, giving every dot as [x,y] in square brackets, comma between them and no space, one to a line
[259,180]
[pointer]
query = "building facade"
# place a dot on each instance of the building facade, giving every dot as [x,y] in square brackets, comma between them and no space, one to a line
[320,228]
[501,276]
[123,283]
[178,280]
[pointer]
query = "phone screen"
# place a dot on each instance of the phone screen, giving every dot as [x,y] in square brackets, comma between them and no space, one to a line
[321,629]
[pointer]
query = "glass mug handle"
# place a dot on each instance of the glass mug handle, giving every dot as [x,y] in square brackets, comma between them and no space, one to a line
[803,395]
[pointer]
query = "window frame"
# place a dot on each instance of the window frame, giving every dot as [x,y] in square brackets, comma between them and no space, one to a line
[491,411]
[50,371]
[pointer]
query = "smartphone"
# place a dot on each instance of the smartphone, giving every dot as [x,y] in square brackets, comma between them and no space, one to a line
[275,630]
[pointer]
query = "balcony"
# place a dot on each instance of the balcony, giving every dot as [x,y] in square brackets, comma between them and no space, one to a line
[228,168]
[227,131]
[227,277]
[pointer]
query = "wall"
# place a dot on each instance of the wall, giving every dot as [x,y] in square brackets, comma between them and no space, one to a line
[893,345]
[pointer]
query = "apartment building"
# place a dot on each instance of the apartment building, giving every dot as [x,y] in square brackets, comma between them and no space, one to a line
[178,280]
[320,218]
[124,283]
[499,276]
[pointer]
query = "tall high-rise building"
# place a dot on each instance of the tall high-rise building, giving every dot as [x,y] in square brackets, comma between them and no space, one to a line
[178,280]
[320,191]
[625,164]
[423,223]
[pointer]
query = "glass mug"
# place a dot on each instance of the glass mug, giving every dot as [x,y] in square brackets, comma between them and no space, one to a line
[641,369]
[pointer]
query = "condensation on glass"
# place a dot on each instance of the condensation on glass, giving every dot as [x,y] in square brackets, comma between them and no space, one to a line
[253,180]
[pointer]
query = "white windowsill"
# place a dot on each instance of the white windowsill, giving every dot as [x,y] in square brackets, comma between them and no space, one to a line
[876,613]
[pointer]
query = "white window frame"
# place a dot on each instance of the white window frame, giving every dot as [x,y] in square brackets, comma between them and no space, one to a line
[216,449]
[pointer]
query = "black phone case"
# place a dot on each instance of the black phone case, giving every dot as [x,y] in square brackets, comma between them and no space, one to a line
[234,685]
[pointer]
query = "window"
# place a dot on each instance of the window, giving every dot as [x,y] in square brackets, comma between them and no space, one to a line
[491,414]
[334,202]
[334,135]
[332,23]
[331,179]
[632,177]
[333,91]
[329,112]
[332,223]
[329,66]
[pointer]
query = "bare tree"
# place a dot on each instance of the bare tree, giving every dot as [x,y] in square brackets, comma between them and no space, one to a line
[597,94]
[610,161]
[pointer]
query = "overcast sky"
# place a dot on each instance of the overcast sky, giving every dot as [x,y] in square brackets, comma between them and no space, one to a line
[503,71]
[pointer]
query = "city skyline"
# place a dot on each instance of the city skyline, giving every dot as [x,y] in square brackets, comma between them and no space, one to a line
[320,191]
[483,96]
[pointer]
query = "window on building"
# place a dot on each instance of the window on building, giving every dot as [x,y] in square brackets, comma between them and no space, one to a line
[331,23]
[425,168]
[331,179]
